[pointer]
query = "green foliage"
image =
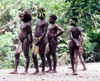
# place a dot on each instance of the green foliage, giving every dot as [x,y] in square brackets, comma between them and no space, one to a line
[92,46]
[5,49]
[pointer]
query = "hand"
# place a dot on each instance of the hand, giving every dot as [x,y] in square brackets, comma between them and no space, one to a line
[79,45]
[81,50]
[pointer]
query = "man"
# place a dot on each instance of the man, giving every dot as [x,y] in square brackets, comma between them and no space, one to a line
[25,39]
[52,42]
[40,40]
[75,46]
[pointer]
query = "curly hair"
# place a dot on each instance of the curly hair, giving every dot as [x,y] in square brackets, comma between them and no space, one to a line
[75,19]
[27,16]
[53,16]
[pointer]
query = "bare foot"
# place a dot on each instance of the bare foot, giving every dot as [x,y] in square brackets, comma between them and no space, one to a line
[42,73]
[69,67]
[35,73]
[66,73]
[84,69]
[14,72]
[24,73]
[74,73]
[53,71]
[48,70]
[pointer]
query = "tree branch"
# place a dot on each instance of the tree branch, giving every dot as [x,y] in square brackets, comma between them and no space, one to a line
[5,27]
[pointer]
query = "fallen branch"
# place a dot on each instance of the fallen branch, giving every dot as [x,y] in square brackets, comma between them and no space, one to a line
[5,27]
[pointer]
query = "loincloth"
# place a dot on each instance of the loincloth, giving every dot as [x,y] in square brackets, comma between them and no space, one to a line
[35,48]
[19,48]
[47,49]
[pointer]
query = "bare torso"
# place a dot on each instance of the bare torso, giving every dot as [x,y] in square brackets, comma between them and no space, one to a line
[52,32]
[39,30]
[24,31]
[75,32]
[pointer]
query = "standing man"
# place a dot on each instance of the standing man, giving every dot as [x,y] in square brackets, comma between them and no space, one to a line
[75,46]
[52,42]
[25,39]
[40,40]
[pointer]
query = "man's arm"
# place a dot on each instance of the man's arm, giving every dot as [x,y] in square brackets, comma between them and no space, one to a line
[30,33]
[72,38]
[60,31]
[70,35]
[81,37]
[75,40]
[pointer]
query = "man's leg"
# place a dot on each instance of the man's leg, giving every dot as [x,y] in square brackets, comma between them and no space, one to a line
[49,62]
[42,54]
[75,61]
[26,54]
[43,62]
[17,55]
[82,60]
[35,61]
[54,62]
[53,46]
[71,51]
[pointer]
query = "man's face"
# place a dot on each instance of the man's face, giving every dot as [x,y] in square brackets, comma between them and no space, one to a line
[22,17]
[51,20]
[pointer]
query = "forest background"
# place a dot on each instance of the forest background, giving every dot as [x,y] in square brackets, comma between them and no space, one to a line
[87,12]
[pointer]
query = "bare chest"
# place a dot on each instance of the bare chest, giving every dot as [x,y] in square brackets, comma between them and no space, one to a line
[40,26]
[52,29]
[23,27]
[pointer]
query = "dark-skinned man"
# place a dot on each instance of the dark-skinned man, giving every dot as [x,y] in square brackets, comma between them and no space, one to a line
[52,42]
[75,46]
[40,40]
[25,40]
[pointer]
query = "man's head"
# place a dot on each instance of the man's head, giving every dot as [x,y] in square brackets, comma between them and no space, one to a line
[73,22]
[41,13]
[25,16]
[52,18]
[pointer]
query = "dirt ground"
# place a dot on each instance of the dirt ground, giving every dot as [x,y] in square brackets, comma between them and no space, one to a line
[91,74]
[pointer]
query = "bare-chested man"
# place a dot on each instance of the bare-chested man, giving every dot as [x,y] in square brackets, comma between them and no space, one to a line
[40,40]
[25,39]
[52,42]
[75,46]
